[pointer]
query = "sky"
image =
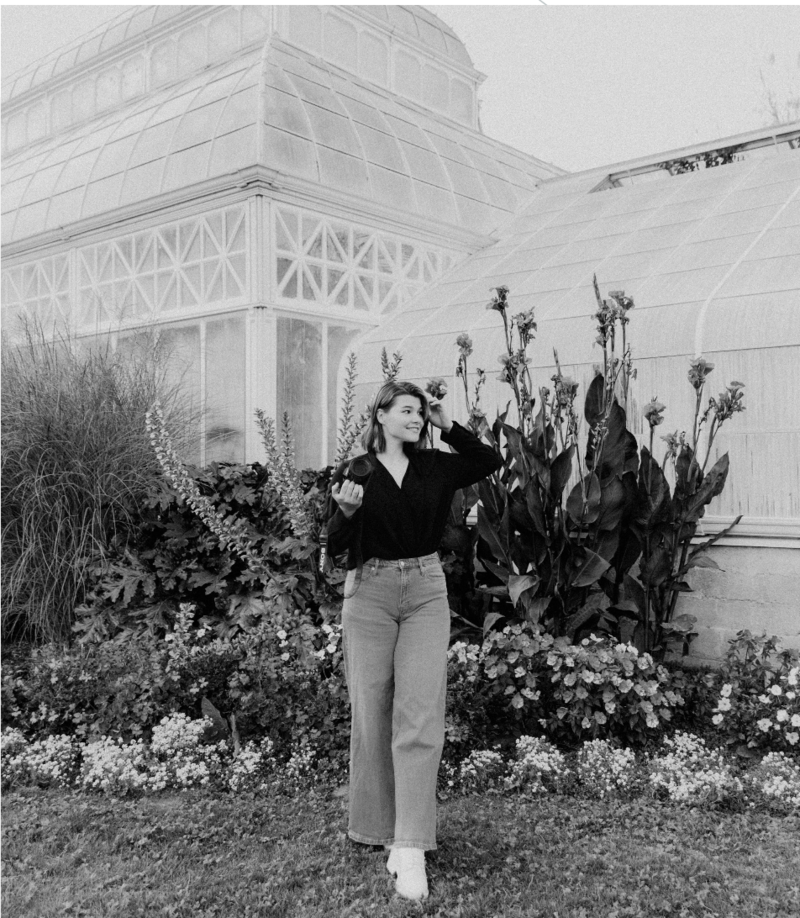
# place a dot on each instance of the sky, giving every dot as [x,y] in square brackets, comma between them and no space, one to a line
[578,86]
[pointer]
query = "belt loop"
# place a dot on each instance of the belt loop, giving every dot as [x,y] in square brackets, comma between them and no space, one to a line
[421,565]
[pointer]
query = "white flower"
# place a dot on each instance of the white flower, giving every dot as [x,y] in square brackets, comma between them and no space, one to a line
[725,691]
[282,635]
[782,716]
[717,719]
[764,724]
[724,704]
[796,720]
[776,690]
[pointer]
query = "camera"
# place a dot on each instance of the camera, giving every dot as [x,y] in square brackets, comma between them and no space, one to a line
[359,469]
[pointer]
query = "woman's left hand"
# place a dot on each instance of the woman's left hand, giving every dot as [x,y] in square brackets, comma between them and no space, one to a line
[438,413]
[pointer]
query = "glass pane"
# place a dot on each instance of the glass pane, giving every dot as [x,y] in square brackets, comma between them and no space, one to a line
[225,389]
[299,387]
[181,346]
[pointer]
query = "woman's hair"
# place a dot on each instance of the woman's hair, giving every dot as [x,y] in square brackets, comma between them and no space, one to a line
[373,439]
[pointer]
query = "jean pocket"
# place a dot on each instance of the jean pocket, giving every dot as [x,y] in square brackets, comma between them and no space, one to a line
[432,570]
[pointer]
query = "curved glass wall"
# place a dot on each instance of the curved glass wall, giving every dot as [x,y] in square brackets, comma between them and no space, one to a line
[712,260]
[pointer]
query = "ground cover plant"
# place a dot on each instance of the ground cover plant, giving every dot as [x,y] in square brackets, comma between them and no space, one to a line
[200,854]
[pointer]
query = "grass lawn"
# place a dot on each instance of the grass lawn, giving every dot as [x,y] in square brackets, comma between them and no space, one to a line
[205,854]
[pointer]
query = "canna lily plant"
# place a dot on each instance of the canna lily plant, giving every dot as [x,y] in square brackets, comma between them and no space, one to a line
[560,528]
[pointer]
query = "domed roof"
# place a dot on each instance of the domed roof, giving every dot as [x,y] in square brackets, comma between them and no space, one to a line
[417,23]
[277,108]
[109,35]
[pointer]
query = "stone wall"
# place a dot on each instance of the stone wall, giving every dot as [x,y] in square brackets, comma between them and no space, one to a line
[758,589]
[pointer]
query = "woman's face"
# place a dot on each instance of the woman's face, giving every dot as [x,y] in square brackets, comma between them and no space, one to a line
[403,419]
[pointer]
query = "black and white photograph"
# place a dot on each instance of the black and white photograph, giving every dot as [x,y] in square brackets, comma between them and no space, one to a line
[400,480]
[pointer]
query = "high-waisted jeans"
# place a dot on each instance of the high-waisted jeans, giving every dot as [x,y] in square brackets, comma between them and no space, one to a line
[396,630]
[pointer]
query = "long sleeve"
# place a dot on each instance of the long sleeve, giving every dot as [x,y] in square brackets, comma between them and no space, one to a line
[342,530]
[474,459]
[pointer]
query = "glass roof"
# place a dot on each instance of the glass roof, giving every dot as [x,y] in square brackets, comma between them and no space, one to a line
[114,32]
[282,109]
[698,246]
[416,22]
[712,260]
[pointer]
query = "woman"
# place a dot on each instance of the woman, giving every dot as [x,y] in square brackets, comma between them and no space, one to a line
[396,620]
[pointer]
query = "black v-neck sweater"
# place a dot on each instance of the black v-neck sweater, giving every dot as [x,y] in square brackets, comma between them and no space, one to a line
[407,522]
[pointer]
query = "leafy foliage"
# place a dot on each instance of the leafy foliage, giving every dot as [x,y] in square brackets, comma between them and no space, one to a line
[560,527]
[76,462]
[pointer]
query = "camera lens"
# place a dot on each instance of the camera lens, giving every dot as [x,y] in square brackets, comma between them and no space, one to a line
[359,469]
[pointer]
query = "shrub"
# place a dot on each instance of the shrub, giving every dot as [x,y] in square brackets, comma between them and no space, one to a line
[565,556]
[511,658]
[775,781]
[481,771]
[51,761]
[758,702]
[179,757]
[252,766]
[176,558]
[283,678]
[689,772]
[604,770]
[466,718]
[113,766]
[538,768]
[601,688]
[76,463]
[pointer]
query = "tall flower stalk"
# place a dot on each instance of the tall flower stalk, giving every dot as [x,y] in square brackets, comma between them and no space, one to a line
[232,534]
[280,461]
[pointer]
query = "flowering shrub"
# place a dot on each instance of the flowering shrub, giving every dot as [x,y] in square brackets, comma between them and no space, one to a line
[466,718]
[689,772]
[601,688]
[509,663]
[12,745]
[113,766]
[481,771]
[178,756]
[252,766]
[538,767]
[283,677]
[605,770]
[300,771]
[776,780]
[49,762]
[758,703]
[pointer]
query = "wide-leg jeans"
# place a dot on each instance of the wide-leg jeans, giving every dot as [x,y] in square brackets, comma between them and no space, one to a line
[396,630]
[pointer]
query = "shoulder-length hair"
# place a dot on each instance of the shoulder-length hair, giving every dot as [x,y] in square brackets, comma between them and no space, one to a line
[373,439]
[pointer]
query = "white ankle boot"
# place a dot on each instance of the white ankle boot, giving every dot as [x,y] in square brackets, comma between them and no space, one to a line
[408,865]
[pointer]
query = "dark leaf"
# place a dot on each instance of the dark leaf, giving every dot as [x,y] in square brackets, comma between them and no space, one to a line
[596,603]
[560,472]
[584,513]
[535,509]
[711,487]
[490,621]
[588,568]
[614,500]
[655,569]
[519,584]
[593,406]
[535,608]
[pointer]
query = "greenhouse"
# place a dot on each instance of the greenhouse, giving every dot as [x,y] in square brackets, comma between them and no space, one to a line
[279,186]
[268,182]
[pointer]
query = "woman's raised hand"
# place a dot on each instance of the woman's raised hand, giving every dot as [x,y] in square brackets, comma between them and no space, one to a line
[438,413]
[348,495]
